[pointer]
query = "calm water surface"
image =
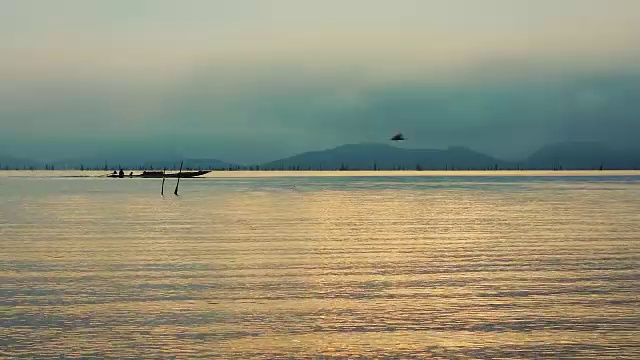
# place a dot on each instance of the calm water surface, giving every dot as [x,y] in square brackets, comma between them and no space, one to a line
[314,266]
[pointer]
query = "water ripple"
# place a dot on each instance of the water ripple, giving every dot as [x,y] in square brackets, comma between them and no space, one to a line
[339,267]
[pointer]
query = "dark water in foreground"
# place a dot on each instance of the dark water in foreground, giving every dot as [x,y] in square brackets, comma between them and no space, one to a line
[305,267]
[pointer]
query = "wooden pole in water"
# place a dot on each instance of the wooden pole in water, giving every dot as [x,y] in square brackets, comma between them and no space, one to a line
[162,191]
[178,183]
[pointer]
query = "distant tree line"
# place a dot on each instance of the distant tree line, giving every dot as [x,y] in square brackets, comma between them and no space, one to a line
[556,166]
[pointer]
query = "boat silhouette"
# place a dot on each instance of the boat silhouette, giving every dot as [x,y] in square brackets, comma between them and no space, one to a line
[161,174]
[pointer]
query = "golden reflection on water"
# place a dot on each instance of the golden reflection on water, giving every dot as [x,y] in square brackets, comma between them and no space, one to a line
[477,267]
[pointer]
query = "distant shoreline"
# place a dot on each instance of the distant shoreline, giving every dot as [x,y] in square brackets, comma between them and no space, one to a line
[370,157]
[346,173]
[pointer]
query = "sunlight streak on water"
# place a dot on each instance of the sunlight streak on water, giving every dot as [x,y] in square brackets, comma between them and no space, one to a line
[407,267]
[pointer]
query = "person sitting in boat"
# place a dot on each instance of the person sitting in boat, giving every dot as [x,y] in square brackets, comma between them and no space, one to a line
[121,173]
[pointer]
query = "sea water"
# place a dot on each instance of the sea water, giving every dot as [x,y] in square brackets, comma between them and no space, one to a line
[321,265]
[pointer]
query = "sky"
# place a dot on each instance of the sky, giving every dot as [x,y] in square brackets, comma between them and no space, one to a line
[250,81]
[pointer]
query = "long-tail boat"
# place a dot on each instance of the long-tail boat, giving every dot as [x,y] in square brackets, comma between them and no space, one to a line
[160,174]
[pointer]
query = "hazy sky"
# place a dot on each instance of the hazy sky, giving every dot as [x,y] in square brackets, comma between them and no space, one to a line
[254,80]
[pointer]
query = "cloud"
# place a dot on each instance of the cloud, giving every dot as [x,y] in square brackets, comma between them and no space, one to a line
[251,81]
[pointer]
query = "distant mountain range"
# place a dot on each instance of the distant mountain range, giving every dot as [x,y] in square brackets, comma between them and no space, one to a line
[367,156]
[568,155]
[583,155]
[385,157]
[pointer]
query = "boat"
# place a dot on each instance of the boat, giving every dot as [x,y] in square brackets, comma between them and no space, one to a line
[161,174]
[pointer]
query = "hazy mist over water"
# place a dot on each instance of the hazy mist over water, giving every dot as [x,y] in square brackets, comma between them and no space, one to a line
[272,265]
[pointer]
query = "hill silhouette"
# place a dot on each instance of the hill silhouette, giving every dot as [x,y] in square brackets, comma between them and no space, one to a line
[582,156]
[385,157]
[374,156]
